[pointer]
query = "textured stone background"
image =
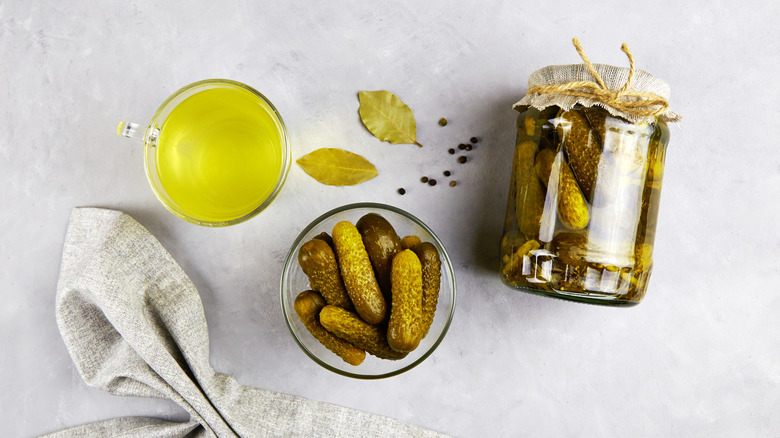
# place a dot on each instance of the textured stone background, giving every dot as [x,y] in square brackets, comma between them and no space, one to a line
[699,357]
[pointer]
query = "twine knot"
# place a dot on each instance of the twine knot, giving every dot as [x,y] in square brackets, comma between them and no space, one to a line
[638,103]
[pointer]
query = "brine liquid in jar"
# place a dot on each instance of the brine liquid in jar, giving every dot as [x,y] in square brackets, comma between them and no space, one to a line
[583,204]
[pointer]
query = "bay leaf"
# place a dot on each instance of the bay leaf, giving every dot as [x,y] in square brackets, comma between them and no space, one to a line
[337,167]
[387,117]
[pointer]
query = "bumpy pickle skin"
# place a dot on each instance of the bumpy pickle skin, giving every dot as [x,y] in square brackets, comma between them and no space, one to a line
[528,189]
[582,148]
[409,242]
[403,328]
[358,274]
[431,283]
[543,165]
[318,262]
[382,244]
[308,305]
[571,206]
[349,327]
[597,120]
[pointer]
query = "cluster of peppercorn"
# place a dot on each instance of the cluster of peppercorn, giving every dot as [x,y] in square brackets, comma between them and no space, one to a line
[452,151]
[464,147]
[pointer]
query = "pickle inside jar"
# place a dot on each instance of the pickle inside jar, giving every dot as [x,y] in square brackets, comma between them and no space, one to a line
[604,172]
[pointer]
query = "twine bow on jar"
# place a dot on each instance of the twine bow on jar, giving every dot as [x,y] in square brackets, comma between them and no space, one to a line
[634,103]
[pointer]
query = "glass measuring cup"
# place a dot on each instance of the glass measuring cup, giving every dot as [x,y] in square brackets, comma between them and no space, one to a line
[216,152]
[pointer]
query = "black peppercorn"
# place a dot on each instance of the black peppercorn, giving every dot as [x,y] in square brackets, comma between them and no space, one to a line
[431,182]
[474,139]
[447,173]
[424,179]
[462,159]
[461,146]
[401,191]
[451,151]
[469,147]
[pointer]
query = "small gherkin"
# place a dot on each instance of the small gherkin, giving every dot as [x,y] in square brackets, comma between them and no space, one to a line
[308,305]
[349,327]
[431,283]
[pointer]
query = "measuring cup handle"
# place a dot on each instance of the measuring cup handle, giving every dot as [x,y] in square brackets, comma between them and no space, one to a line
[132,131]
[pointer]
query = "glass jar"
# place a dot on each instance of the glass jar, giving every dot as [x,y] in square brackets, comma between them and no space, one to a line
[583,205]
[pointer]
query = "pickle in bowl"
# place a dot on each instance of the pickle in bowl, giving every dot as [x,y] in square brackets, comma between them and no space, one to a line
[400,302]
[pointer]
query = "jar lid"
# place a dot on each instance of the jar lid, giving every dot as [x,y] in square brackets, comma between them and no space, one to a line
[632,94]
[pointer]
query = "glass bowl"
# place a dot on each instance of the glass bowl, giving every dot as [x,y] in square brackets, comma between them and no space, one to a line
[294,281]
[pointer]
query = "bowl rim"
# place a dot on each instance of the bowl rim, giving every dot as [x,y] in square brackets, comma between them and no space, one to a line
[446,264]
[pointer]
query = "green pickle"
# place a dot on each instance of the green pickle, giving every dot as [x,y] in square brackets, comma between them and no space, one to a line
[351,328]
[372,292]
[431,283]
[382,244]
[583,205]
[308,305]
[318,262]
[403,327]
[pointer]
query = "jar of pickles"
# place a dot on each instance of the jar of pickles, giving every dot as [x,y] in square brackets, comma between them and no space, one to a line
[586,183]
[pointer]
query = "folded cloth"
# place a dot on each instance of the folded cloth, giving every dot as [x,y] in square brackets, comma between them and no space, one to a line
[134,325]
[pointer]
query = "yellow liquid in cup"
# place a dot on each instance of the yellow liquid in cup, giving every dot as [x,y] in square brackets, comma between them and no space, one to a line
[219,154]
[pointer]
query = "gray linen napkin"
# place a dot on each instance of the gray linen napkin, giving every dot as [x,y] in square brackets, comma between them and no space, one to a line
[134,325]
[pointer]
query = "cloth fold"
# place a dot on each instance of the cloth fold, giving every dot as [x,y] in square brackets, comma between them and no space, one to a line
[133,323]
